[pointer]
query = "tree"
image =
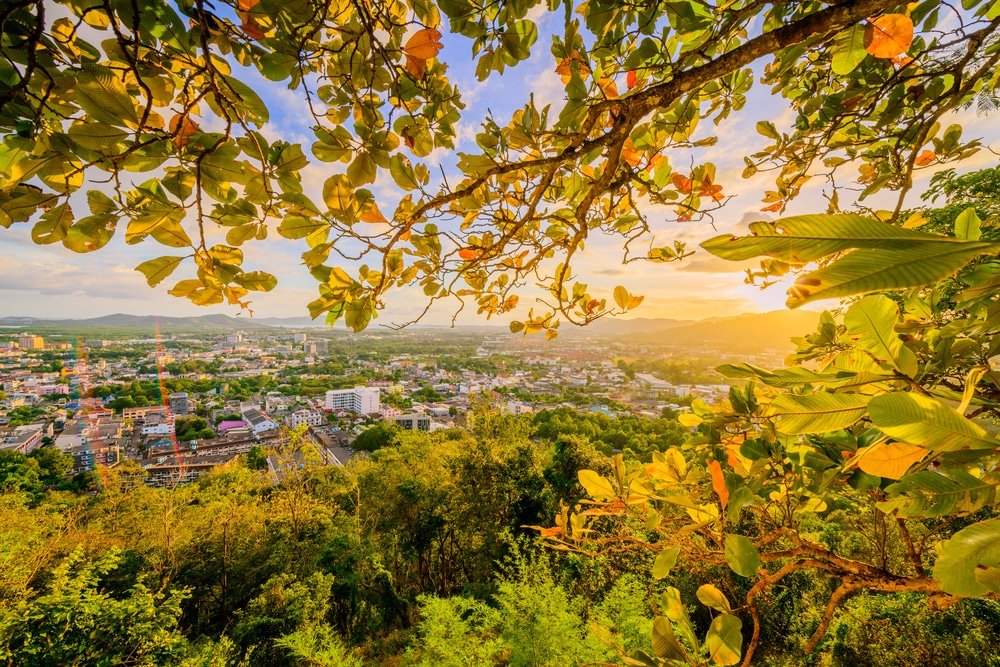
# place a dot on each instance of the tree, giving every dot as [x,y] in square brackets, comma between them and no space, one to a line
[74,620]
[93,92]
[376,437]
[879,426]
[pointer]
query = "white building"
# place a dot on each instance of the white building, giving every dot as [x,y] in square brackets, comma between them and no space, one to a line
[258,421]
[303,416]
[361,400]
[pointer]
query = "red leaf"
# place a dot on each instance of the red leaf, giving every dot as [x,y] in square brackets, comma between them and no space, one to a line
[631,80]
[682,183]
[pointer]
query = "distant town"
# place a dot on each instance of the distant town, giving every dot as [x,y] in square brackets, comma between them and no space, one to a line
[181,403]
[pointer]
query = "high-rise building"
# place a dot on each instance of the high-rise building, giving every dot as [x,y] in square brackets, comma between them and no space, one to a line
[315,347]
[29,341]
[179,403]
[362,400]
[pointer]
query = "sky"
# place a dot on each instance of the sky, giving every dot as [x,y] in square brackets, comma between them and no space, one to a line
[53,282]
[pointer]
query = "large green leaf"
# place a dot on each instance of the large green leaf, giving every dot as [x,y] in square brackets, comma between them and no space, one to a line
[724,641]
[925,421]
[877,269]
[665,644]
[818,413]
[665,561]
[969,560]
[710,596]
[848,50]
[932,493]
[797,376]
[157,269]
[741,555]
[103,96]
[805,238]
[871,322]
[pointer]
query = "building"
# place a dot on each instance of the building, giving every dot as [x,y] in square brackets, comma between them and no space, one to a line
[414,421]
[303,416]
[315,347]
[258,421]
[179,403]
[361,400]
[29,341]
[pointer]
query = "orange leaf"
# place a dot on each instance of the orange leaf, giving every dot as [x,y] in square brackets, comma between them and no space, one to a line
[718,482]
[925,158]
[565,67]
[247,5]
[630,153]
[889,35]
[609,87]
[182,128]
[550,532]
[251,29]
[421,47]
[468,254]
[631,80]
[775,207]
[682,183]
[372,214]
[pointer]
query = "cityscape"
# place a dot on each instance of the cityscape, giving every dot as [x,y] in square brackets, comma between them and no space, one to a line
[179,404]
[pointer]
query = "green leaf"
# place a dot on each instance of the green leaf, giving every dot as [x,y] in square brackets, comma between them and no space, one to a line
[940,492]
[156,270]
[818,413]
[724,640]
[90,233]
[848,50]
[741,555]
[597,487]
[96,136]
[239,100]
[968,225]
[102,95]
[805,238]
[710,596]
[875,270]
[871,321]
[767,128]
[258,281]
[665,644]
[974,548]
[665,561]
[925,421]
[53,225]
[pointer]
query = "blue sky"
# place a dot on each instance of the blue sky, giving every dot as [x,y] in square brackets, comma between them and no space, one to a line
[50,281]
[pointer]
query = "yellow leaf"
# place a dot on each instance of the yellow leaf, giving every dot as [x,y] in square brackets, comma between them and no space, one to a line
[890,460]
[917,219]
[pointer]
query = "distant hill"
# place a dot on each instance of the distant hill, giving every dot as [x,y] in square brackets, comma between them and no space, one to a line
[148,323]
[615,326]
[741,333]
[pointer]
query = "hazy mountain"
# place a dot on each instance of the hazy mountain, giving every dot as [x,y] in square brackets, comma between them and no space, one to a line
[148,323]
[748,332]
